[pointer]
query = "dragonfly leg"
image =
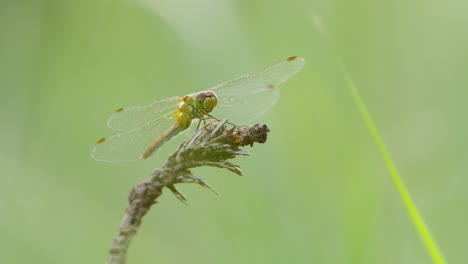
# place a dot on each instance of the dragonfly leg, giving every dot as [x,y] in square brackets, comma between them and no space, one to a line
[198,125]
[224,121]
[203,119]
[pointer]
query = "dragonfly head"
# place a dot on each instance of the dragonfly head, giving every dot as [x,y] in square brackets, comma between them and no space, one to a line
[206,101]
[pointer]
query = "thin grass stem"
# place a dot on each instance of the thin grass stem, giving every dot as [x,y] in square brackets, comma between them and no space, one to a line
[405,196]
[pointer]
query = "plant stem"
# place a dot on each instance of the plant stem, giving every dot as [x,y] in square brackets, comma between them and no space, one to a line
[212,146]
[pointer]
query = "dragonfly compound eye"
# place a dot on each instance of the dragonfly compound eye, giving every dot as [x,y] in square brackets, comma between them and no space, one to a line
[206,101]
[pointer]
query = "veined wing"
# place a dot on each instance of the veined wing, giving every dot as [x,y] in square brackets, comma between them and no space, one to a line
[132,117]
[129,145]
[247,97]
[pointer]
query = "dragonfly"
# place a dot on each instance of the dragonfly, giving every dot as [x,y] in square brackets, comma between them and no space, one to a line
[141,130]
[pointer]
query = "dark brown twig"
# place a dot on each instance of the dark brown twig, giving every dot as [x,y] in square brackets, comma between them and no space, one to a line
[212,146]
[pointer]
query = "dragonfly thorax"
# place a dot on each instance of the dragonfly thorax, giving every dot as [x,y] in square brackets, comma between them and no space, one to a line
[196,105]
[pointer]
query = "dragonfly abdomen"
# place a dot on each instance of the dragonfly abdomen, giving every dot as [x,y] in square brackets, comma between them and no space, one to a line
[159,141]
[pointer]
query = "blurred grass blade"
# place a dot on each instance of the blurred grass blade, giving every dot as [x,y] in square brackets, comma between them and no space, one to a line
[418,221]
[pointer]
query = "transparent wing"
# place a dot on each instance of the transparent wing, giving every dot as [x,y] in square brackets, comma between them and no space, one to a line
[129,118]
[247,97]
[129,145]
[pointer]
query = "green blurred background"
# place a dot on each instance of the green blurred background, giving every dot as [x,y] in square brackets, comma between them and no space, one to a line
[317,192]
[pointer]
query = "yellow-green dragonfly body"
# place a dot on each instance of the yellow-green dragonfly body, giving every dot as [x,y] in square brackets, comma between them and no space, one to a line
[141,130]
